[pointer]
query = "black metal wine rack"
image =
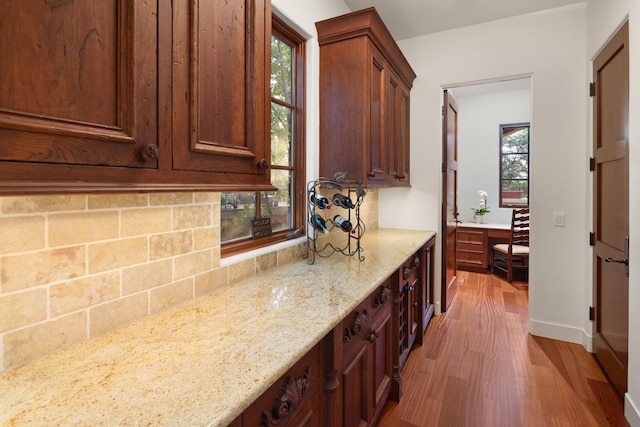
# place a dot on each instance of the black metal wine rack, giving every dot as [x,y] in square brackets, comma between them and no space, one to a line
[352,245]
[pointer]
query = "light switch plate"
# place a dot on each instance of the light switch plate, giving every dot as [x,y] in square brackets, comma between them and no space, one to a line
[558,219]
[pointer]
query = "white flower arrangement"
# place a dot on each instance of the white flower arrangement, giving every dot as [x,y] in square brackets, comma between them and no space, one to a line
[483,208]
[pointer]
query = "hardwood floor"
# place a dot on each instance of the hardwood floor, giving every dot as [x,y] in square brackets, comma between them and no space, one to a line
[479,366]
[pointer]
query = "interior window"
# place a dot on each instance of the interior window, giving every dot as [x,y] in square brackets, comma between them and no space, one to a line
[284,208]
[514,165]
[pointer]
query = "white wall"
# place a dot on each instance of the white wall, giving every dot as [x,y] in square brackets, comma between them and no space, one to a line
[479,120]
[603,19]
[551,47]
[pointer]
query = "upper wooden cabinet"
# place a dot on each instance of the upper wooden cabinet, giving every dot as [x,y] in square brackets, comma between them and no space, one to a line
[221,91]
[117,95]
[365,84]
[78,82]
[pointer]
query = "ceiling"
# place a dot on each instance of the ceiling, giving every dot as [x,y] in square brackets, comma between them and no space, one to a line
[412,18]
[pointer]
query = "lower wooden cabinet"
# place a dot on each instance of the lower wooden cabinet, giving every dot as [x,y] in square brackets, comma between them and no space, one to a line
[471,249]
[367,360]
[347,378]
[425,298]
[473,245]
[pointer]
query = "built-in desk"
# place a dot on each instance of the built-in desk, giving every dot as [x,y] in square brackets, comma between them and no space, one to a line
[473,242]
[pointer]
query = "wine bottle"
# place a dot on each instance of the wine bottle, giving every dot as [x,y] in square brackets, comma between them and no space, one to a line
[343,201]
[343,223]
[320,201]
[318,223]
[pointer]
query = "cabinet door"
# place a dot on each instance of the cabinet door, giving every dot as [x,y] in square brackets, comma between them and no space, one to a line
[392,105]
[397,132]
[403,143]
[377,140]
[381,361]
[221,90]
[78,85]
[355,388]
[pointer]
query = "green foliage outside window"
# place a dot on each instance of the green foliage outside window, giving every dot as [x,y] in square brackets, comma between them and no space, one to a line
[514,170]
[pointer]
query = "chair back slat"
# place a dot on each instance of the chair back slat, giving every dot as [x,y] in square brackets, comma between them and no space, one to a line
[520,227]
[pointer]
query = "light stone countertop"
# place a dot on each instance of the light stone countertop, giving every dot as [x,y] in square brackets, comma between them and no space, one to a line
[204,362]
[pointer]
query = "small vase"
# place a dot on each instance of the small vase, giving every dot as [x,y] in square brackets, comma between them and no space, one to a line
[478,218]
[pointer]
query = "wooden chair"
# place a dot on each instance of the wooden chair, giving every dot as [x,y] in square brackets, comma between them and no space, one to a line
[515,254]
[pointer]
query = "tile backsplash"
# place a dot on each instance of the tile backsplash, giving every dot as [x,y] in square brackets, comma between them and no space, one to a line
[73,267]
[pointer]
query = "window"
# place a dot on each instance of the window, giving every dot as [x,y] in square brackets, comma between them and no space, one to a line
[514,165]
[284,207]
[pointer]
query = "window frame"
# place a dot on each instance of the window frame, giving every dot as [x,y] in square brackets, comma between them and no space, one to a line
[527,125]
[284,32]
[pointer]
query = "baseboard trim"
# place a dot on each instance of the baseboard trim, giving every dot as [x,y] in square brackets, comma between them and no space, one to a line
[631,412]
[561,332]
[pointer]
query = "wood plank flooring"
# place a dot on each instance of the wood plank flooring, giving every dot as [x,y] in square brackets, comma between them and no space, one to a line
[479,366]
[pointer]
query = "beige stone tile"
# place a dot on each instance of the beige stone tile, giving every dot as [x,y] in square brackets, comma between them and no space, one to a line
[216,256]
[116,254]
[145,221]
[84,227]
[301,250]
[192,264]
[146,276]
[33,204]
[23,233]
[83,293]
[25,345]
[286,255]
[170,244]
[22,309]
[266,262]
[206,197]
[242,269]
[167,199]
[39,268]
[117,201]
[206,238]
[171,295]
[117,313]
[191,216]
[216,214]
[211,280]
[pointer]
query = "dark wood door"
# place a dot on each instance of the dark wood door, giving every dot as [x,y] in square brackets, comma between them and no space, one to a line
[381,339]
[78,84]
[403,141]
[377,139]
[355,383]
[221,73]
[611,208]
[449,198]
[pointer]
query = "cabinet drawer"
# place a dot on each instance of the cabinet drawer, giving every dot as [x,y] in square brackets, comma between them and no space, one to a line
[470,257]
[470,236]
[301,383]
[470,247]
[357,326]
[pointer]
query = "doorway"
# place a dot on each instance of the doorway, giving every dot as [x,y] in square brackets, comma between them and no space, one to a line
[482,108]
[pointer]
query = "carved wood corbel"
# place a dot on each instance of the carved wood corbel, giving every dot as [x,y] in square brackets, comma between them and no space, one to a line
[288,400]
[357,325]
[382,297]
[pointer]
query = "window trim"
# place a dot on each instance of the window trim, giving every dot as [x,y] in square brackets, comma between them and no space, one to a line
[501,204]
[282,30]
